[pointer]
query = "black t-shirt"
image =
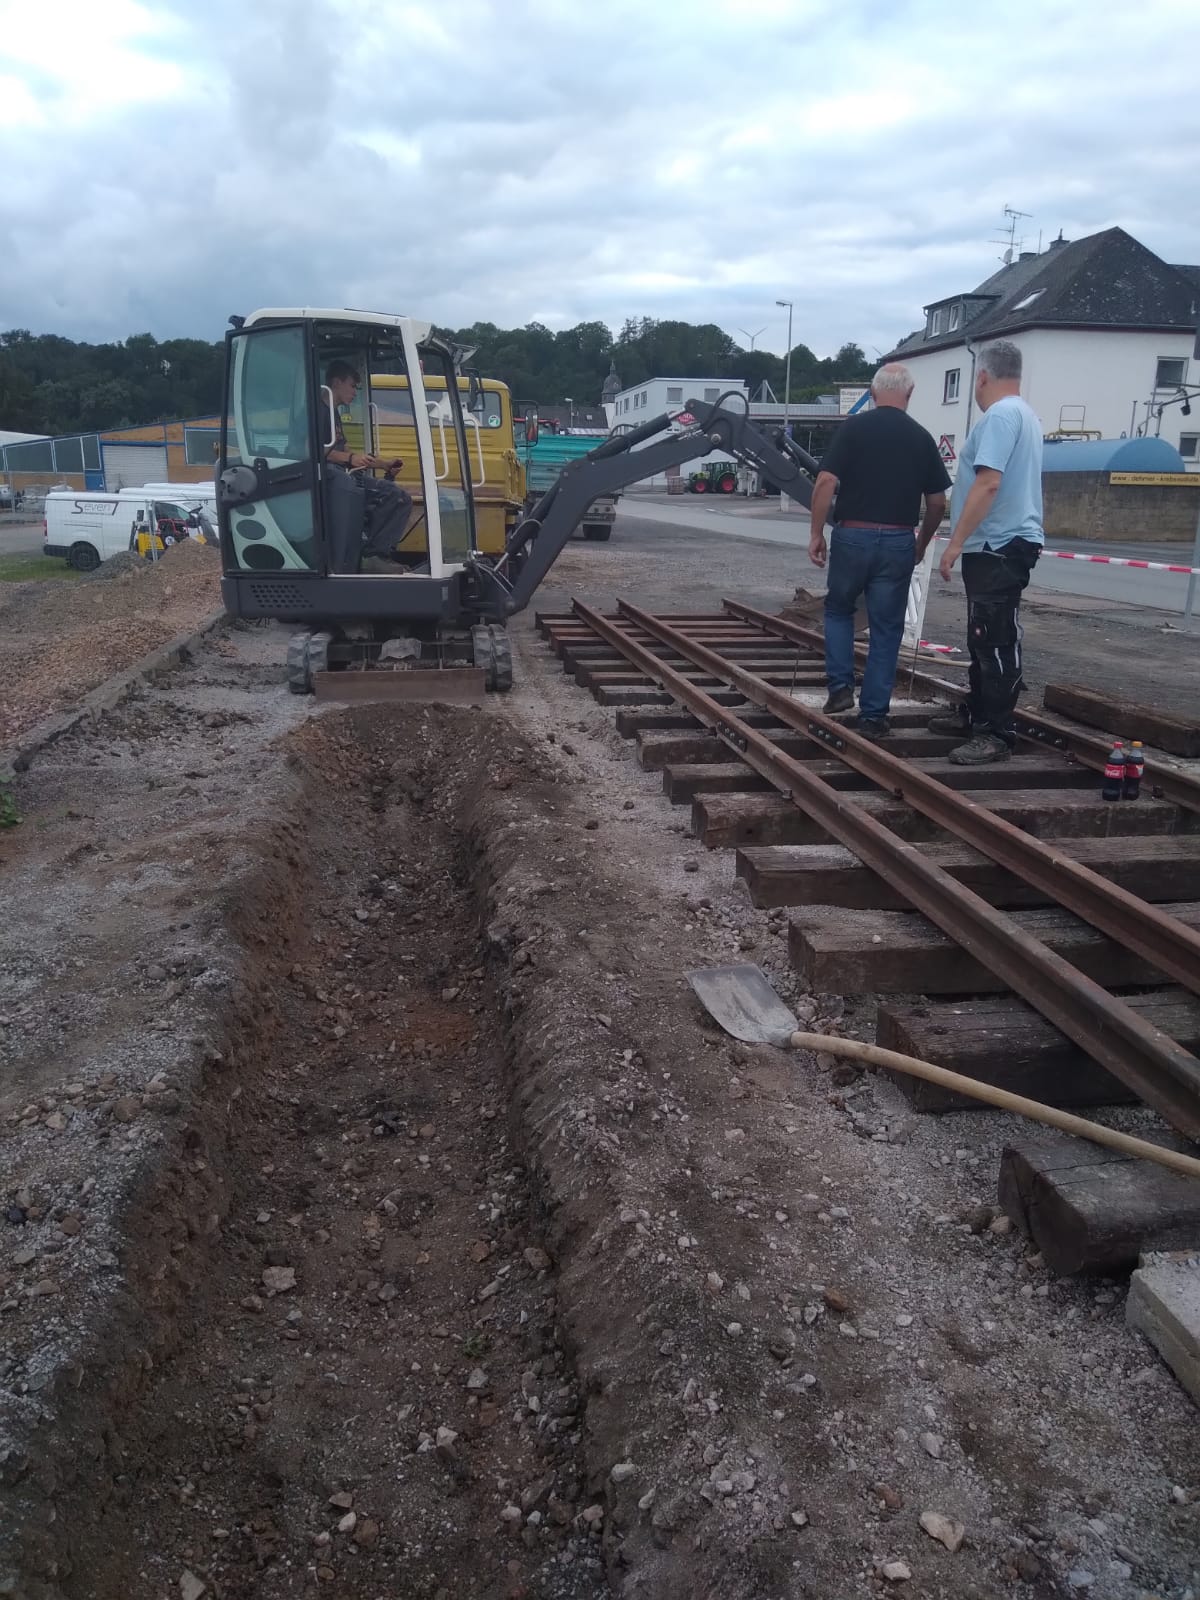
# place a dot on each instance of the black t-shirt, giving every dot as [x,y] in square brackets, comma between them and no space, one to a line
[884,462]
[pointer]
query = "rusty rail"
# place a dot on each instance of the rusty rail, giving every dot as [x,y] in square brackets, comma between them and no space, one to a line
[1157,1069]
[1036,727]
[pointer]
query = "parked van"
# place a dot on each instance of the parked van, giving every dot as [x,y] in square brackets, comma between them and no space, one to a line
[88,528]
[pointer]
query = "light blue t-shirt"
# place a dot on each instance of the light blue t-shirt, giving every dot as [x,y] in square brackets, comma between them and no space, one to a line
[1007,437]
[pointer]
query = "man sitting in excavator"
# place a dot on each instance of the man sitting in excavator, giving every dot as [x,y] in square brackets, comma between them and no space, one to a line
[388,506]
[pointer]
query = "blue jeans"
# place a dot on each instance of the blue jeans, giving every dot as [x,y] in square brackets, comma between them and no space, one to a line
[876,563]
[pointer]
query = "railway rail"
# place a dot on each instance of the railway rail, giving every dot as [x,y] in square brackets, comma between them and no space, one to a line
[1056,951]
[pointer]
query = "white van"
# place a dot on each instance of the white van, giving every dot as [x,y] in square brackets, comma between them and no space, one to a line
[86,528]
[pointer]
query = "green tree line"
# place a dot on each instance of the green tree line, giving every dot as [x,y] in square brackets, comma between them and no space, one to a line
[53,385]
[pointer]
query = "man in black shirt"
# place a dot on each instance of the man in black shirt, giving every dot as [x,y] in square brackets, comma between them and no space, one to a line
[879,465]
[388,506]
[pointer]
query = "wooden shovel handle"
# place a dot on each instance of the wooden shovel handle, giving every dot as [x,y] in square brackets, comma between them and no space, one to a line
[831,1045]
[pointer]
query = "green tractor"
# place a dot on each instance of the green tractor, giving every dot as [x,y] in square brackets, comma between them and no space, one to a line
[718,477]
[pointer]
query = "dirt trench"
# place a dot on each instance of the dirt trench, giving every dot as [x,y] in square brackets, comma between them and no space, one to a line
[367,1392]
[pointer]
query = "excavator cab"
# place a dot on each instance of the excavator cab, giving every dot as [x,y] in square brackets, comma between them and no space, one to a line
[294,528]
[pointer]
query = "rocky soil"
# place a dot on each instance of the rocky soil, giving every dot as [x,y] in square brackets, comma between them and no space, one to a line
[380,1217]
[58,639]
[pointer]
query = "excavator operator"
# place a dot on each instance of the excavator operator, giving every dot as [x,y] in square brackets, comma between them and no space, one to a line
[388,506]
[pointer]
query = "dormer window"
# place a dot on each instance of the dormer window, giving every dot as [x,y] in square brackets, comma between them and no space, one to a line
[955,317]
[938,324]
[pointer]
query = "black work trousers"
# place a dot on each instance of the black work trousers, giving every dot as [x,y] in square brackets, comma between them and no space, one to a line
[994,581]
[386,510]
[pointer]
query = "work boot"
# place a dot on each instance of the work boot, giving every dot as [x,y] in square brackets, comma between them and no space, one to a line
[839,700]
[873,728]
[977,752]
[954,723]
[381,567]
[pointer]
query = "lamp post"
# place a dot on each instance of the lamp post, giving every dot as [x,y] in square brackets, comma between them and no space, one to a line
[787,380]
[570,413]
[751,336]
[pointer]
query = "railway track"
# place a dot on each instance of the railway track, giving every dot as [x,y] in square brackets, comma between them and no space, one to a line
[1011,924]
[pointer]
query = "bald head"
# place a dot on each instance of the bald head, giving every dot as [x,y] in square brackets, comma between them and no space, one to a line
[892,386]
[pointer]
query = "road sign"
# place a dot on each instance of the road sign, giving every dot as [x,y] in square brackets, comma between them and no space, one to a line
[946,447]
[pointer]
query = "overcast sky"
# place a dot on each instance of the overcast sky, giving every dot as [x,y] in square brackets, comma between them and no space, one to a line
[167,163]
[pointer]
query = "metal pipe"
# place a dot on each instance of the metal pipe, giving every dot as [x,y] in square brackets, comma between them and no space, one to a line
[1160,1071]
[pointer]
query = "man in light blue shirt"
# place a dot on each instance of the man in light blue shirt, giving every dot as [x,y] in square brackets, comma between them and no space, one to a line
[996,526]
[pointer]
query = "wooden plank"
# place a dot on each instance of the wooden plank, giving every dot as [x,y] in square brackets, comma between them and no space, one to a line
[1178,736]
[1005,1042]
[631,722]
[1164,1305]
[447,685]
[1061,813]
[901,952]
[1089,1209]
[805,875]
[637,695]
[927,751]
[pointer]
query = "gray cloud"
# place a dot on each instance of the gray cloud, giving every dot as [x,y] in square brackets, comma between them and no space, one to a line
[542,159]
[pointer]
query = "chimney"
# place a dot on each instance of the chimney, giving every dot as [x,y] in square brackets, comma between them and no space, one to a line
[1027,255]
[1057,244]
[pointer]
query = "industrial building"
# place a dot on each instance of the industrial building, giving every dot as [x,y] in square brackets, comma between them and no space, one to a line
[118,458]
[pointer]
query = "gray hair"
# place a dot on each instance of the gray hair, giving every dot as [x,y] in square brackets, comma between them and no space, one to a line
[892,379]
[1001,360]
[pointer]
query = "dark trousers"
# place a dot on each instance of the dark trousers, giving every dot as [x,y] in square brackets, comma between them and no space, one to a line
[387,509]
[994,581]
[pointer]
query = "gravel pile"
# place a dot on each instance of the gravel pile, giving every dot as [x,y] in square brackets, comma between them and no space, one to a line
[58,640]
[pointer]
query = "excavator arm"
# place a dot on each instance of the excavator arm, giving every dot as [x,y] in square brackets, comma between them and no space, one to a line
[538,539]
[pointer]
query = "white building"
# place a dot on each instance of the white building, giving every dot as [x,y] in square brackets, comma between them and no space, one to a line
[629,408]
[1106,331]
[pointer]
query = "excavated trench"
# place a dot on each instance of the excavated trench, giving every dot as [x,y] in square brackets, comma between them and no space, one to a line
[338,1367]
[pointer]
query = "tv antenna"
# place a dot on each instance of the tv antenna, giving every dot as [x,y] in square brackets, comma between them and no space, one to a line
[1012,243]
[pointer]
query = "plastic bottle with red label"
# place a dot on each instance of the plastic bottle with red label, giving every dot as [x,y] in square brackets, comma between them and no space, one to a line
[1114,773]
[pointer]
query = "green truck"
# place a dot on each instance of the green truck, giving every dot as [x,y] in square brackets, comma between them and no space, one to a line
[545,458]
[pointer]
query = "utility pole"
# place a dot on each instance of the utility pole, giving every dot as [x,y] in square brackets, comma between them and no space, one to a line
[787,380]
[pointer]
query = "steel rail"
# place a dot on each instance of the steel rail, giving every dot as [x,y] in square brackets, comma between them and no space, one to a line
[1036,727]
[1157,1069]
[1165,942]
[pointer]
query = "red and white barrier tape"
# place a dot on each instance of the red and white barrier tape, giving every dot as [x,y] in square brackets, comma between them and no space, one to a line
[1113,561]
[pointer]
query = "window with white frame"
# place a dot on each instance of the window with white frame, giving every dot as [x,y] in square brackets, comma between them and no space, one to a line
[645,399]
[950,385]
[939,321]
[955,317]
[1171,372]
[674,395]
[712,394]
[1189,446]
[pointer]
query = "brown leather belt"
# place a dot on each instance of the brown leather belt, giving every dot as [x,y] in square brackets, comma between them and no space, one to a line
[882,527]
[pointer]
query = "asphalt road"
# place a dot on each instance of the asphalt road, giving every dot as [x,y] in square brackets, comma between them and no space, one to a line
[1119,586]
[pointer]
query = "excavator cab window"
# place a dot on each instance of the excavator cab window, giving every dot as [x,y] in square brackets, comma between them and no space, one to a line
[299,388]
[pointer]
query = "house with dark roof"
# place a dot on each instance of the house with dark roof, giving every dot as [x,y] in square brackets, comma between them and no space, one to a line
[1106,330]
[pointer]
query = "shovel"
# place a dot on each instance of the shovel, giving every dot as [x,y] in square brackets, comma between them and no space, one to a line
[740,998]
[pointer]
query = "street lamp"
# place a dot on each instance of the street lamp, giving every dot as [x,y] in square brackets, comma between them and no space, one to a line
[751,336]
[570,413]
[787,381]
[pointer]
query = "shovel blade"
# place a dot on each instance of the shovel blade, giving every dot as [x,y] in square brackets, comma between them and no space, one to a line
[742,1000]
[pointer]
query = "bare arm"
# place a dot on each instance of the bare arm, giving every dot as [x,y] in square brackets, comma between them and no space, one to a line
[935,510]
[979,503]
[822,500]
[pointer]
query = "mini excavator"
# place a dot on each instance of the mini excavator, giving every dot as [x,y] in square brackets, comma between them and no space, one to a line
[294,526]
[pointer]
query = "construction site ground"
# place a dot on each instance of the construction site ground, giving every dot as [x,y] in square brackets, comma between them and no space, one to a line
[381,1218]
